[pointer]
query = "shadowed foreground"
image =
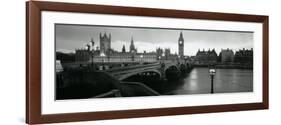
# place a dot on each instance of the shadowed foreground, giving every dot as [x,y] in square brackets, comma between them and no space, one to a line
[82,84]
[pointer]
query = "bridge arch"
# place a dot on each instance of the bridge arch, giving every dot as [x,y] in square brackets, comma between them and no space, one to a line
[171,66]
[141,71]
[182,65]
[187,65]
[172,72]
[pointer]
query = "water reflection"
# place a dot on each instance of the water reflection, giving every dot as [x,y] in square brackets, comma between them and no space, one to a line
[198,82]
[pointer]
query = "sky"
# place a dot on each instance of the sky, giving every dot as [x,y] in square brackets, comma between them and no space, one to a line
[71,37]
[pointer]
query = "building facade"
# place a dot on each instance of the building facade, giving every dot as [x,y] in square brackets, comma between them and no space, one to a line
[106,54]
[82,55]
[105,43]
[206,57]
[244,56]
[65,57]
[227,55]
[132,46]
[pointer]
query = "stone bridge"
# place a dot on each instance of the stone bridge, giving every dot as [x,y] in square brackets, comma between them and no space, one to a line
[112,81]
[164,69]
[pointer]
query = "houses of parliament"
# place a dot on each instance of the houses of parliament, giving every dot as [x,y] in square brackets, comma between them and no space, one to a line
[105,53]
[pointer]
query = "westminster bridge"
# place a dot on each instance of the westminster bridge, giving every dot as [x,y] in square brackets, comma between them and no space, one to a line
[164,69]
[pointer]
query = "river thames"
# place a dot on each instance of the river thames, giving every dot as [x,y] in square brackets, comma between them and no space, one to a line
[198,82]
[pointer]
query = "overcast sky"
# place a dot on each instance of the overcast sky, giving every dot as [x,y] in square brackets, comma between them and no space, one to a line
[71,37]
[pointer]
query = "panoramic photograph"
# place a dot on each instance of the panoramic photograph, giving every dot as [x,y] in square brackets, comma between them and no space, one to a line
[95,61]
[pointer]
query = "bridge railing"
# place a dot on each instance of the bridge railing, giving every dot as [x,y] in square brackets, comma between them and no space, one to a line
[116,69]
[141,88]
[112,93]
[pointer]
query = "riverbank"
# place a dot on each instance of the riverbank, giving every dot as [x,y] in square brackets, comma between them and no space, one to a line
[228,66]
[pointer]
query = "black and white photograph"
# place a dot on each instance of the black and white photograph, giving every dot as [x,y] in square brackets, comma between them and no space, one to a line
[101,61]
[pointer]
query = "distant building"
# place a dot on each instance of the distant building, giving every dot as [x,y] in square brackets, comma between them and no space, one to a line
[126,57]
[82,55]
[244,56]
[106,54]
[167,53]
[132,46]
[181,45]
[146,57]
[105,43]
[65,57]
[206,57]
[226,55]
[159,53]
[123,49]
[85,55]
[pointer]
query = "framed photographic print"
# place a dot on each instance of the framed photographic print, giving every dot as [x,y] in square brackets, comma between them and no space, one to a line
[94,62]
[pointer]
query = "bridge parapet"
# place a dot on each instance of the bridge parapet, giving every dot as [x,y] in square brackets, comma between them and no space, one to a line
[160,68]
[123,72]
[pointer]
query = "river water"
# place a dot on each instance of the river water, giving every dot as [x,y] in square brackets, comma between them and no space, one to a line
[198,82]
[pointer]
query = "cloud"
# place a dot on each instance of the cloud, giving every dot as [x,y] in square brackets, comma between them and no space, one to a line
[70,37]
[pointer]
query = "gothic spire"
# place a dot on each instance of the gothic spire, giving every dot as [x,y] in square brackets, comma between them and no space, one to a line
[123,49]
[132,46]
[181,37]
[92,42]
[132,41]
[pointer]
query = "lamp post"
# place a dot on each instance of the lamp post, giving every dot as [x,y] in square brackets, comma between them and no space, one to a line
[178,59]
[92,43]
[102,55]
[88,49]
[141,56]
[212,72]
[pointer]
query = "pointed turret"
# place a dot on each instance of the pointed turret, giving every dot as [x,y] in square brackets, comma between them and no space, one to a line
[181,37]
[132,46]
[123,49]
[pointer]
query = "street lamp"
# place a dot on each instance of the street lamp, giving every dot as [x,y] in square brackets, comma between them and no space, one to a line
[163,55]
[212,72]
[102,55]
[178,59]
[159,58]
[141,56]
[92,52]
[185,59]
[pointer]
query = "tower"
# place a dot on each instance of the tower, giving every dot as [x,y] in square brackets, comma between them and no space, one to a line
[181,45]
[123,49]
[105,43]
[132,46]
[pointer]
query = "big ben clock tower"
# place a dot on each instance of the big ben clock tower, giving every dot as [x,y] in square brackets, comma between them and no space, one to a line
[181,45]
